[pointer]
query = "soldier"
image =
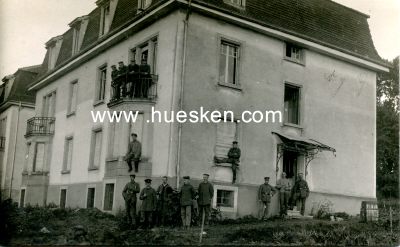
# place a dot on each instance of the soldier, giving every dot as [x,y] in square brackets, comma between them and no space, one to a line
[284,186]
[122,76]
[115,82]
[145,78]
[300,192]
[187,194]
[233,158]
[206,193]
[164,192]
[129,194]
[149,197]
[133,72]
[265,192]
[134,153]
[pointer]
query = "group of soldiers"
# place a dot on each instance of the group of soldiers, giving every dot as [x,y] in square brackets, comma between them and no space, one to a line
[289,195]
[133,80]
[157,204]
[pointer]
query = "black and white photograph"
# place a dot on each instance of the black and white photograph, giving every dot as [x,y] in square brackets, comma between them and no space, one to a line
[199,122]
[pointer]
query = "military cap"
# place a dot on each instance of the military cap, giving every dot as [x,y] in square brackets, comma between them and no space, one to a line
[234,142]
[205,174]
[133,175]
[134,134]
[164,177]
[113,66]
[121,62]
[186,177]
[266,178]
[147,180]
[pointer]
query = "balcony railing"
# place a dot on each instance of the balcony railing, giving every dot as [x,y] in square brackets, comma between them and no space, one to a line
[2,142]
[141,87]
[40,126]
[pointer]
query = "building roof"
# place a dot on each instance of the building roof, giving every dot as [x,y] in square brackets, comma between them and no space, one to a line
[19,88]
[321,21]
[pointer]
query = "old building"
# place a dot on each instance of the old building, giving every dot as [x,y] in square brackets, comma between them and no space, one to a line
[17,105]
[313,60]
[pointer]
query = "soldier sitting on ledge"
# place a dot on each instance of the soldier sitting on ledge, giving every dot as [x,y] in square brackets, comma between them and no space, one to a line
[233,158]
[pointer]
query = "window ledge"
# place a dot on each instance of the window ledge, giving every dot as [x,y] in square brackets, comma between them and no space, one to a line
[93,168]
[229,85]
[223,165]
[70,114]
[289,59]
[66,172]
[293,125]
[112,159]
[98,102]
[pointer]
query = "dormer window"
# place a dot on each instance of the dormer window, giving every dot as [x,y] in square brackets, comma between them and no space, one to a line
[143,4]
[53,48]
[294,53]
[105,19]
[78,28]
[76,38]
[236,3]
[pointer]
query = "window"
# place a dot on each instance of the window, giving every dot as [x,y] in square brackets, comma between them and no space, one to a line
[290,163]
[292,104]
[294,53]
[148,52]
[226,134]
[68,148]
[101,84]
[73,95]
[76,39]
[3,124]
[108,197]
[229,63]
[238,3]
[143,4]
[95,158]
[63,198]
[22,198]
[38,160]
[225,198]
[49,105]
[27,156]
[105,19]
[90,197]
[52,57]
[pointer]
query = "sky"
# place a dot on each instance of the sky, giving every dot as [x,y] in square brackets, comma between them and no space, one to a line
[26,25]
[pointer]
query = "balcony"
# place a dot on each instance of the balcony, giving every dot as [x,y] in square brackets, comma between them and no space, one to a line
[2,142]
[138,89]
[40,126]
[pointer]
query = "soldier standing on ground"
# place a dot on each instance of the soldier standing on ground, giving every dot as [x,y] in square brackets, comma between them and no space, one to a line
[206,193]
[164,192]
[187,194]
[129,194]
[149,201]
[134,153]
[265,193]
[284,186]
[300,192]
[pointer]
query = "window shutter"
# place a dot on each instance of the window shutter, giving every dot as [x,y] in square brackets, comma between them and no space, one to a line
[226,134]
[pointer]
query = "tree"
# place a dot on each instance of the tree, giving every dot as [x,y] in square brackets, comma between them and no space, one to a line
[387,152]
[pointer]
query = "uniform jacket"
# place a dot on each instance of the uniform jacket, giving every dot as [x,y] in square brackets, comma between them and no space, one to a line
[164,192]
[265,192]
[206,193]
[130,191]
[187,194]
[114,75]
[149,197]
[144,68]
[234,153]
[133,68]
[134,151]
[122,70]
[284,185]
[301,189]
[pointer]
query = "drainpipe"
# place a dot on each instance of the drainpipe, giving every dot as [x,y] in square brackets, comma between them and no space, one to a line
[185,30]
[14,148]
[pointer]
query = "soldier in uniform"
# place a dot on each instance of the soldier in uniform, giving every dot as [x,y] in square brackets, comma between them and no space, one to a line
[129,194]
[145,78]
[164,192]
[134,153]
[122,76]
[149,202]
[187,194]
[206,193]
[300,192]
[284,186]
[115,82]
[133,73]
[233,158]
[265,193]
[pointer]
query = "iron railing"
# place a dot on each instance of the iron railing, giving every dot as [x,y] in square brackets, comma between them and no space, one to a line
[142,87]
[40,126]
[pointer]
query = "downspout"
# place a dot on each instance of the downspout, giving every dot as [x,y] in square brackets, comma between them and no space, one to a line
[15,149]
[185,30]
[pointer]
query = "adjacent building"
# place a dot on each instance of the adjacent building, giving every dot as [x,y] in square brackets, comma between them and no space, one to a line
[313,60]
